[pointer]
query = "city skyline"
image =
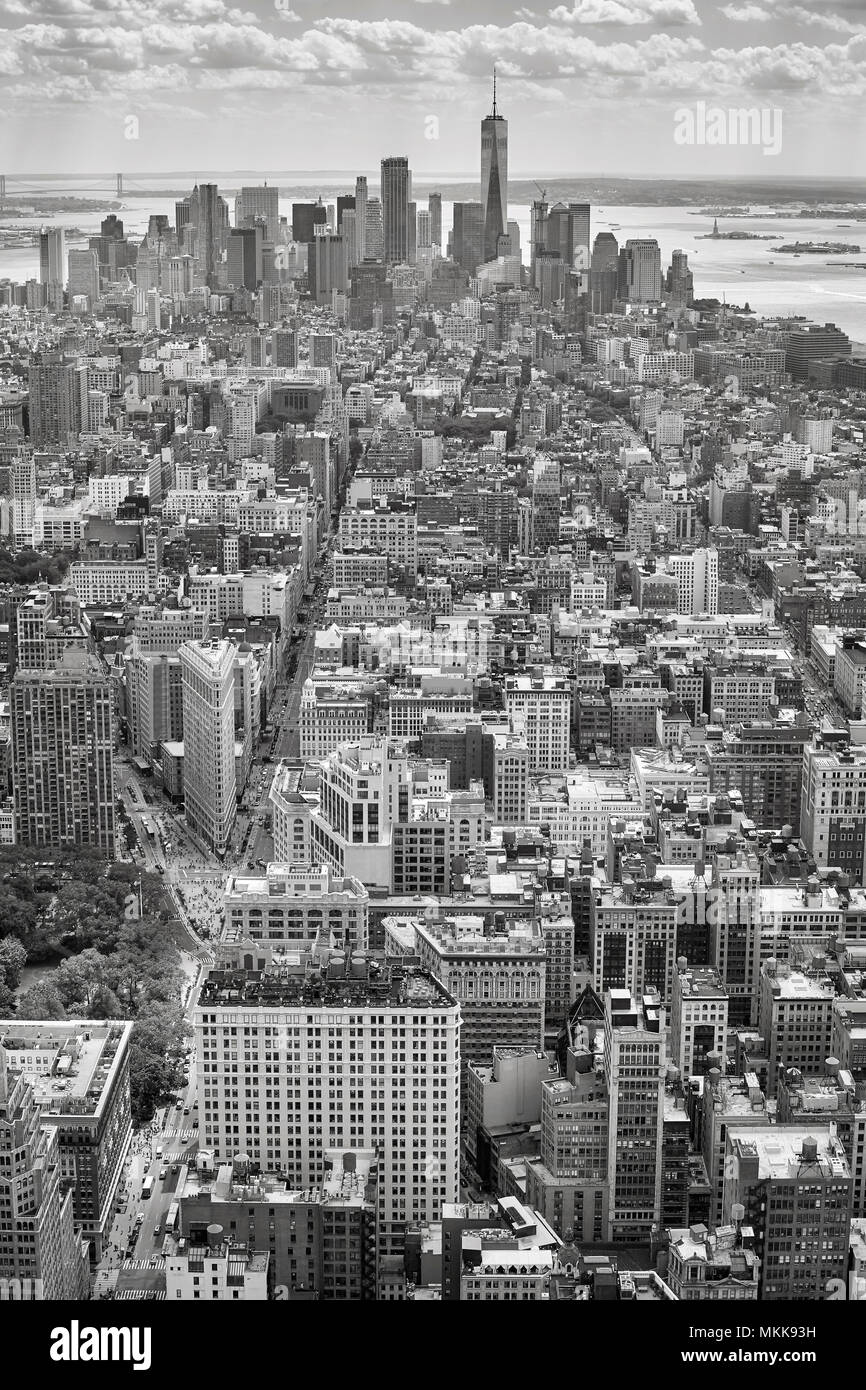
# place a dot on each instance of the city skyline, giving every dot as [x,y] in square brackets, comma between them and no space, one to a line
[570,82]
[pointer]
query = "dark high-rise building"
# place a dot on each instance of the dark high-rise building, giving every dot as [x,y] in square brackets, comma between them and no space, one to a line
[494,179]
[370,289]
[396,181]
[537,233]
[327,267]
[412,224]
[467,238]
[567,234]
[681,282]
[603,273]
[344,203]
[209,215]
[361,218]
[306,216]
[434,203]
[284,348]
[244,257]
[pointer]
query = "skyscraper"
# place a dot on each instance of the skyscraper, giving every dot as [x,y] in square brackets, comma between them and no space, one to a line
[680,280]
[62,751]
[374,237]
[243,269]
[361,216]
[209,740]
[305,217]
[640,271]
[434,203]
[327,267]
[209,215]
[494,178]
[537,233]
[84,274]
[467,238]
[52,256]
[395,208]
[259,202]
[603,273]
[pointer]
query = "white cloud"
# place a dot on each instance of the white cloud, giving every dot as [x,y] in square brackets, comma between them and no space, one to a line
[627,12]
[745,14]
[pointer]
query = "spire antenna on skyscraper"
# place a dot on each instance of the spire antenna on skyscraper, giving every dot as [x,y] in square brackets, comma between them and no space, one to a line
[494,89]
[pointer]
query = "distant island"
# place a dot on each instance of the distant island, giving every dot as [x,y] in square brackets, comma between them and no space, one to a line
[735,236]
[816,248]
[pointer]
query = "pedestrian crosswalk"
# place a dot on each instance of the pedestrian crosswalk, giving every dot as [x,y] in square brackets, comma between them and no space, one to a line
[152,1295]
[155,1262]
[184,1134]
[182,1156]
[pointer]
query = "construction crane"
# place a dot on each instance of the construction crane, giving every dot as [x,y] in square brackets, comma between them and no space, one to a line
[542,191]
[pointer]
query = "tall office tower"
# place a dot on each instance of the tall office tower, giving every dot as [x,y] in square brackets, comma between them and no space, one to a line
[360,219]
[52,256]
[284,348]
[345,203]
[80,1078]
[182,215]
[681,281]
[84,274]
[23,486]
[181,275]
[434,205]
[62,751]
[546,485]
[494,179]
[567,234]
[537,233]
[603,273]
[467,237]
[833,807]
[395,180]
[55,399]
[640,271]
[342,1052]
[305,218]
[792,1184]
[699,1017]
[497,975]
[349,233]
[259,203]
[697,578]
[634,1067]
[209,215]
[327,267]
[243,267]
[39,1246]
[540,708]
[209,740]
[424,235]
[412,232]
[374,234]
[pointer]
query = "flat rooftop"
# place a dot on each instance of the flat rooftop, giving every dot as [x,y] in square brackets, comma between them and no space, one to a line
[348,982]
[70,1064]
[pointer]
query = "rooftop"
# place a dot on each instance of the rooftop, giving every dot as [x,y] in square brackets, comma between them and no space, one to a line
[345,981]
[70,1064]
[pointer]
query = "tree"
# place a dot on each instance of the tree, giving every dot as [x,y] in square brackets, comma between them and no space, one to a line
[41,1001]
[79,980]
[13,959]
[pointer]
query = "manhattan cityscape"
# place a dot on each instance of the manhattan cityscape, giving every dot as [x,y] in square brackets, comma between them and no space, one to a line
[432,737]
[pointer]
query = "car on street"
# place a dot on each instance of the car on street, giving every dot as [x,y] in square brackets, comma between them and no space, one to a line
[163,1174]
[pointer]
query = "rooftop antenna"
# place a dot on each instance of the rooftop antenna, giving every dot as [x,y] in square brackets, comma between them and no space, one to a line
[494,90]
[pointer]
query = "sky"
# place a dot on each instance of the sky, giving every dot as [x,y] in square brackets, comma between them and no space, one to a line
[592,87]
